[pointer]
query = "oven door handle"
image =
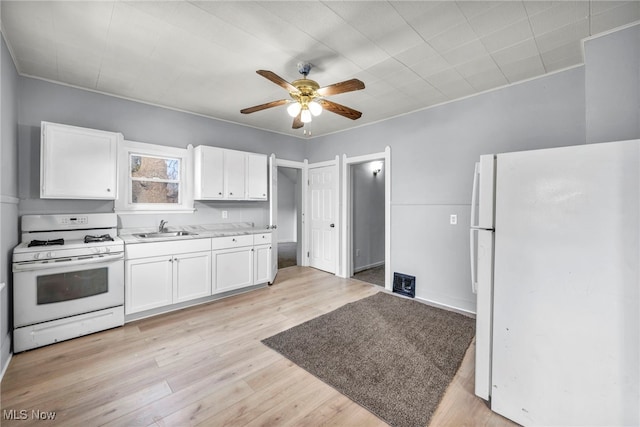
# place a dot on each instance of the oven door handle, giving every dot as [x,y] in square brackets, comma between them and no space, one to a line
[41,265]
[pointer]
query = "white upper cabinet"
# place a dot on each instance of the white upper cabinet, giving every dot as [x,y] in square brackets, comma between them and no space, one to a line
[209,173]
[78,163]
[235,164]
[222,174]
[256,176]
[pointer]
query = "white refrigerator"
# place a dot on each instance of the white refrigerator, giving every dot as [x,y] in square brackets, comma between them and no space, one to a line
[555,255]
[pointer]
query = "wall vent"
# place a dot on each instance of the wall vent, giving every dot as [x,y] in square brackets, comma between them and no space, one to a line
[404,284]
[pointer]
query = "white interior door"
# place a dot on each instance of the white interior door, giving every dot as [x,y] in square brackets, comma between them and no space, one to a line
[273,214]
[323,214]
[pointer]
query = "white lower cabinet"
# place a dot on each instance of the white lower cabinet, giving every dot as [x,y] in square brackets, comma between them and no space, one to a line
[262,256]
[153,280]
[262,264]
[232,262]
[233,268]
[149,283]
[192,276]
[164,273]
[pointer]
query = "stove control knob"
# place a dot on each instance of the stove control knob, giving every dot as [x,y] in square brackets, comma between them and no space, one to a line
[107,250]
[37,255]
[50,254]
[96,250]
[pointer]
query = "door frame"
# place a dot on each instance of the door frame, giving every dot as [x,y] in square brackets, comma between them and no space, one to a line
[336,201]
[302,166]
[347,213]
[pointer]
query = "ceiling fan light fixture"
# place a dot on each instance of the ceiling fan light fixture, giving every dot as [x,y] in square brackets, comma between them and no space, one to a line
[305,116]
[315,108]
[294,109]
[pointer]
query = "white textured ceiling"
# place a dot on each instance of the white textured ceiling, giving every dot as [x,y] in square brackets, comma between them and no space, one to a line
[202,56]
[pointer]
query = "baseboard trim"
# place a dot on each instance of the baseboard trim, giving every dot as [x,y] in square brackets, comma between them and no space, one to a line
[366,267]
[447,307]
[10,200]
[6,365]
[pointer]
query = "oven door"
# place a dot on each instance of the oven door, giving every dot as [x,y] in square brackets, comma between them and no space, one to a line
[44,291]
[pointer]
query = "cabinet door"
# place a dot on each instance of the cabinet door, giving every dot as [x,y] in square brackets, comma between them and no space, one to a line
[233,269]
[262,264]
[77,163]
[257,176]
[148,283]
[192,276]
[235,168]
[209,173]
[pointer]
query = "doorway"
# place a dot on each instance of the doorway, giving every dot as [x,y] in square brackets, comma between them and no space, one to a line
[368,221]
[380,163]
[289,216]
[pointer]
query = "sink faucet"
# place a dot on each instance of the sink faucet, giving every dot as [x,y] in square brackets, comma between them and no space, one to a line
[161,228]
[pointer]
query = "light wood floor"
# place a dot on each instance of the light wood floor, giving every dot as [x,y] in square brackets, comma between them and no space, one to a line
[206,366]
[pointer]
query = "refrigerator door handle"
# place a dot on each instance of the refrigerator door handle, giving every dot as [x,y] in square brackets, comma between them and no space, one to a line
[474,194]
[474,259]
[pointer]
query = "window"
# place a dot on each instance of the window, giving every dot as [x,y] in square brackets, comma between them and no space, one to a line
[154,178]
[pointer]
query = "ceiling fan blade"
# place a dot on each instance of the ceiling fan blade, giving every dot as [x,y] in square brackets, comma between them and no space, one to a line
[347,112]
[270,75]
[342,87]
[263,106]
[297,121]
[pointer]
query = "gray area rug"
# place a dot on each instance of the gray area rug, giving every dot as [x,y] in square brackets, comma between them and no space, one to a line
[392,355]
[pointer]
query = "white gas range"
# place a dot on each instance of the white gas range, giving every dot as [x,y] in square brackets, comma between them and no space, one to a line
[68,278]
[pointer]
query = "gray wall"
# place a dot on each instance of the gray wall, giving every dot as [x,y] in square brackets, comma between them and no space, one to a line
[432,158]
[41,100]
[368,216]
[612,73]
[8,191]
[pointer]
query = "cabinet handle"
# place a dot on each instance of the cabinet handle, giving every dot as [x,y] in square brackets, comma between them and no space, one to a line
[220,194]
[108,190]
[170,259]
[233,240]
[231,194]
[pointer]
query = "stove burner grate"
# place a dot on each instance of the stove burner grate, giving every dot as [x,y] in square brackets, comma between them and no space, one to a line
[46,242]
[102,238]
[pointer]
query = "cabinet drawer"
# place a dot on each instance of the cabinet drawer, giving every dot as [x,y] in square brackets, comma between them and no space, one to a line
[173,247]
[231,242]
[262,238]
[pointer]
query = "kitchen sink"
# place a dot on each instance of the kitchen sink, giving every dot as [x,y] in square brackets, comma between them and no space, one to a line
[159,234]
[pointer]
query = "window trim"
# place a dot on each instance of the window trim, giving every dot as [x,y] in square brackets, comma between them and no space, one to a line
[127,149]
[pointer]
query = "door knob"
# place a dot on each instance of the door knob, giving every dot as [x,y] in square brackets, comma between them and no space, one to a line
[332,225]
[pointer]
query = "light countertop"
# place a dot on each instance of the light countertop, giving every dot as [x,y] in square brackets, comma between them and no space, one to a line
[128,235]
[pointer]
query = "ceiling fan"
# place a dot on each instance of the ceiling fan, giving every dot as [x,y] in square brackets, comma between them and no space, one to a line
[308,98]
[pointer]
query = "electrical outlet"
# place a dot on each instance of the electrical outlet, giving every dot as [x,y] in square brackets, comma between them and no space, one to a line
[225,214]
[453,219]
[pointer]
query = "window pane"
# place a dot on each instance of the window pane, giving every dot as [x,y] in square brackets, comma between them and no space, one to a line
[153,167]
[154,192]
